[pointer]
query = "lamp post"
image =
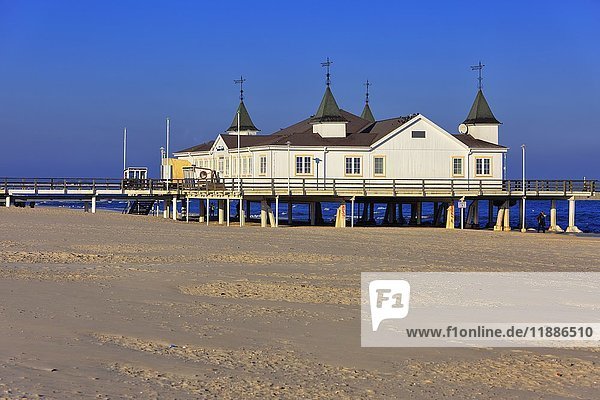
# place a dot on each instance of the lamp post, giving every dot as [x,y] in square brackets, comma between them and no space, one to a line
[168,166]
[523,229]
[317,161]
[288,143]
[162,157]
[239,165]
[124,151]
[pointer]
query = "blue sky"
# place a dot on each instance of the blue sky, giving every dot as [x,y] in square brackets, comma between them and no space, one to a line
[74,73]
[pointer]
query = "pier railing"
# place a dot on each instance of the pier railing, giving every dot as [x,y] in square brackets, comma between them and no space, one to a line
[298,186]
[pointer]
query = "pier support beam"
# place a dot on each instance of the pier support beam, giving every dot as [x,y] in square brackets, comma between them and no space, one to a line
[312,212]
[207,211]
[242,213]
[174,208]
[289,212]
[165,209]
[201,216]
[277,211]
[221,212]
[401,215]
[506,226]
[340,216]
[553,226]
[522,215]
[450,216]
[500,218]
[419,213]
[351,212]
[7,201]
[572,228]
[263,213]
[93,204]
[490,221]
[228,211]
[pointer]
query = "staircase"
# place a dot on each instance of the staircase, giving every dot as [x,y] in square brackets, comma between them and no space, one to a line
[139,207]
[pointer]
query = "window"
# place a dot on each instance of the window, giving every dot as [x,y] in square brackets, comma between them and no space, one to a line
[457,166]
[418,134]
[379,165]
[353,165]
[221,165]
[244,165]
[482,166]
[250,166]
[303,165]
[227,167]
[262,165]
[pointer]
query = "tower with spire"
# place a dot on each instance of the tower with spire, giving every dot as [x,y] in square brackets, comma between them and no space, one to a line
[481,122]
[245,126]
[366,112]
[328,121]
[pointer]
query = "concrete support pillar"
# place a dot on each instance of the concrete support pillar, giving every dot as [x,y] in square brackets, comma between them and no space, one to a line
[419,212]
[263,213]
[312,211]
[522,215]
[289,212]
[202,215]
[242,213]
[553,226]
[207,211]
[228,211]
[450,216]
[221,212]
[277,211]
[475,221]
[572,228]
[7,201]
[174,208]
[500,218]
[506,226]
[340,216]
[93,204]
[351,212]
[165,209]
[371,212]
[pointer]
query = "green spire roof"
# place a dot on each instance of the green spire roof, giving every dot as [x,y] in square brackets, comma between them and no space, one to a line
[480,112]
[246,123]
[367,114]
[328,110]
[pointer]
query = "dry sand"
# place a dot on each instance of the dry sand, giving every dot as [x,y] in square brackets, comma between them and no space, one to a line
[119,306]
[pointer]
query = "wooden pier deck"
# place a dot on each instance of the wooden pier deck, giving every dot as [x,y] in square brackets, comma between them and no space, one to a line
[109,188]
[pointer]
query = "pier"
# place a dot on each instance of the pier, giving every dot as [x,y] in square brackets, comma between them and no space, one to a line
[270,192]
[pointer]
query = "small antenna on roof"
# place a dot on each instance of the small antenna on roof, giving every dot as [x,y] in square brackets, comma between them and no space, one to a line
[367,84]
[241,83]
[327,64]
[478,67]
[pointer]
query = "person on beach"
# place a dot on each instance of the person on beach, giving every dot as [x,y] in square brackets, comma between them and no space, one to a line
[541,220]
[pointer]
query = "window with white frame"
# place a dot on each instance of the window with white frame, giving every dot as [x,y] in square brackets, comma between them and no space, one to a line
[379,165]
[303,165]
[244,165]
[483,166]
[262,165]
[221,165]
[250,166]
[227,167]
[457,166]
[353,166]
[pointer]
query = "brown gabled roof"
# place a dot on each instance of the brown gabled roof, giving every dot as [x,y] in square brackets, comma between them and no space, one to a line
[477,143]
[360,132]
[206,146]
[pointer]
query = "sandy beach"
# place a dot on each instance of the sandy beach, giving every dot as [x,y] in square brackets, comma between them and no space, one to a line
[119,306]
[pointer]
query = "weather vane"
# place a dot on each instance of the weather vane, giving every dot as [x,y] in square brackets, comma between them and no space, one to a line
[241,83]
[327,64]
[478,67]
[367,84]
